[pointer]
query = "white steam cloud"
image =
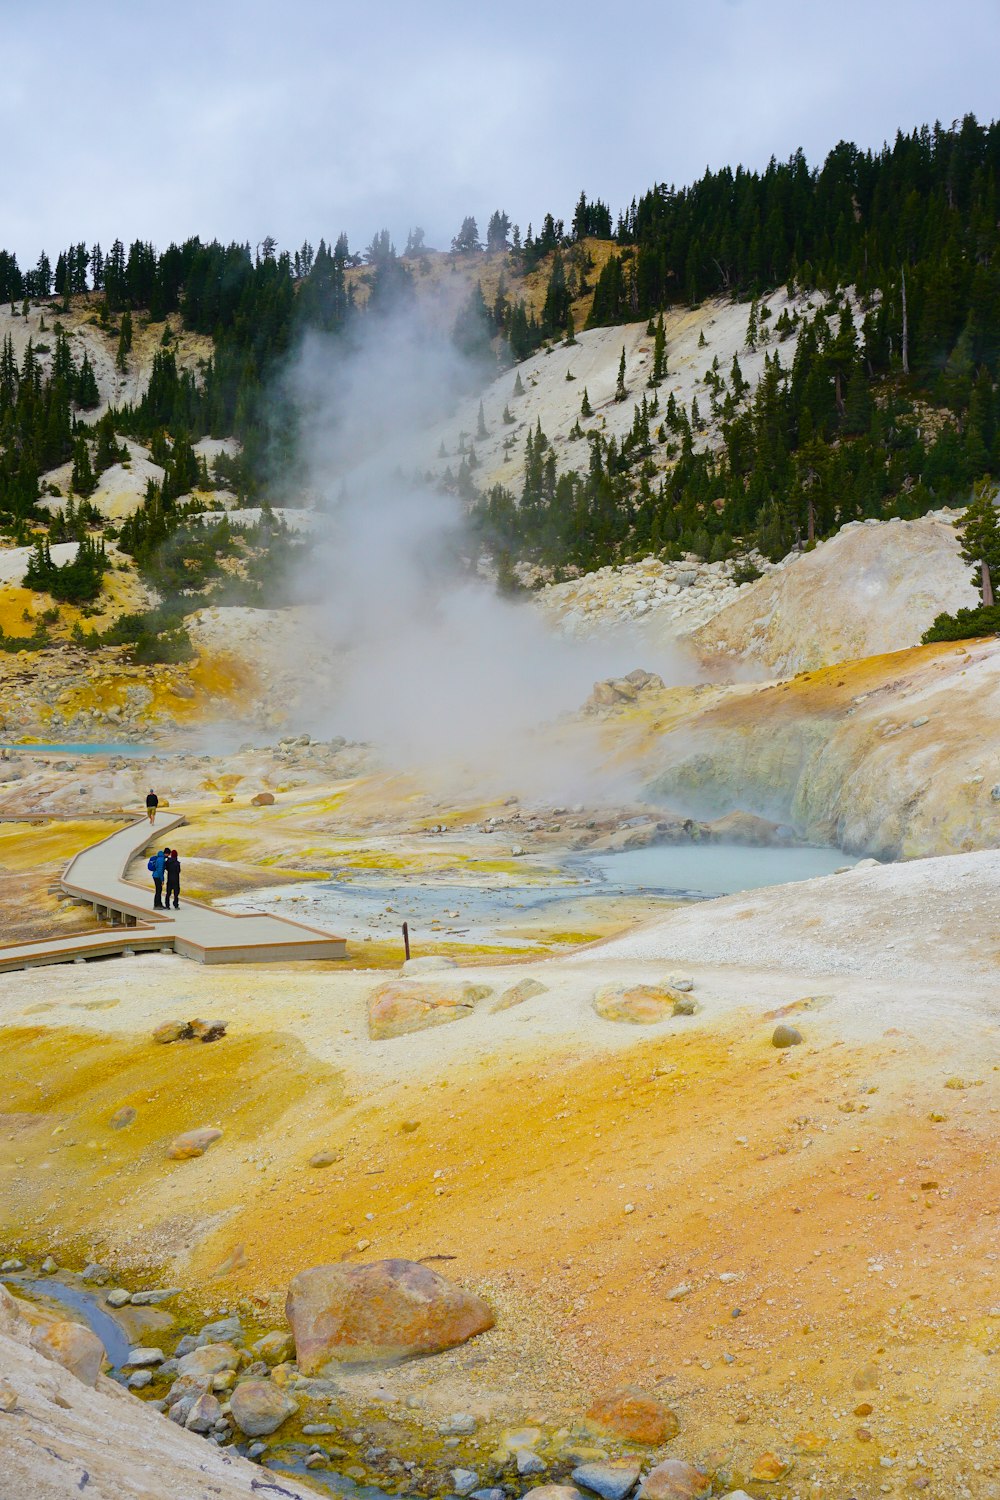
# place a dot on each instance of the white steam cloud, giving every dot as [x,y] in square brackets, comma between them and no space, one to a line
[431,664]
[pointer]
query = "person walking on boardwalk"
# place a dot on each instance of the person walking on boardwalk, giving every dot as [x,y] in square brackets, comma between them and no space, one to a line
[157,868]
[173,869]
[152,803]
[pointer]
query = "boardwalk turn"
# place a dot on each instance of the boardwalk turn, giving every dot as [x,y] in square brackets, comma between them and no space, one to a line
[97,876]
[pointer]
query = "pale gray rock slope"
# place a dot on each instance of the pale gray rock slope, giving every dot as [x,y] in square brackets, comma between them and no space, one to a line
[62,1439]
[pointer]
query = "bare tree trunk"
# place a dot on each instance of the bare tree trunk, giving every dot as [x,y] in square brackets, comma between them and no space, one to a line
[987,586]
[906,331]
[812,521]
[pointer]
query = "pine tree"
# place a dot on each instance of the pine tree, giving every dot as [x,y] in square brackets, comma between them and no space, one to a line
[620,392]
[518,385]
[124,342]
[86,393]
[481,423]
[752,328]
[659,370]
[979,529]
[82,481]
[570,327]
[585,408]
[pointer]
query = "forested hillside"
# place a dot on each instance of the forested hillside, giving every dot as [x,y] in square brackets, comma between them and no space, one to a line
[878,395]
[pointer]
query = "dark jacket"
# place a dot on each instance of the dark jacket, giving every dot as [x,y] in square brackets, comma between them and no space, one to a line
[173,869]
[152,800]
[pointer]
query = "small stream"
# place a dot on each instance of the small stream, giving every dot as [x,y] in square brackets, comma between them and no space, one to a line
[85,1305]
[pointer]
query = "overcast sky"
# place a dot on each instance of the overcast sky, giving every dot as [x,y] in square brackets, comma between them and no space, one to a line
[241,118]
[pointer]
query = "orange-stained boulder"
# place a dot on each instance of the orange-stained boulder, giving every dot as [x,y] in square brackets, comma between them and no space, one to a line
[675,1480]
[635,1416]
[193,1143]
[71,1345]
[378,1313]
[642,1004]
[404,1005]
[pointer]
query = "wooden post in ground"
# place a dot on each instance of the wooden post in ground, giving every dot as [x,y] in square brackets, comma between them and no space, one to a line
[406,939]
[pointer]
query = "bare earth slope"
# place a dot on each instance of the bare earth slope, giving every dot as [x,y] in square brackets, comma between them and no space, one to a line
[872,588]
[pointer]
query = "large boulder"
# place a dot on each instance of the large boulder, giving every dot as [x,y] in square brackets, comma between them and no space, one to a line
[378,1313]
[404,1005]
[641,1004]
[259,1407]
[635,1416]
[71,1345]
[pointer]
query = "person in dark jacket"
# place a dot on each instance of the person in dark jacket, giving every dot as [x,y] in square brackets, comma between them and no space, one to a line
[173,869]
[152,803]
[157,868]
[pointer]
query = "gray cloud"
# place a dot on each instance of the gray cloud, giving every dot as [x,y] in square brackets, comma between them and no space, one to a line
[240,118]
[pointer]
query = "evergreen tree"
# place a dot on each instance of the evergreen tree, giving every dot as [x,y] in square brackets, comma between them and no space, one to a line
[467,239]
[979,530]
[570,327]
[620,392]
[124,342]
[659,370]
[82,481]
[585,408]
[518,385]
[481,423]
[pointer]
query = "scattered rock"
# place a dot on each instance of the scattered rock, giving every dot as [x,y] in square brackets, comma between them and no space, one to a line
[96,1275]
[210,1359]
[401,1006]
[154,1297]
[385,1311]
[464,1481]
[8,1396]
[635,1416]
[222,1331]
[526,989]
[785,1036]
[118,1297]
[124,1116]
[810,1442]
[168,1031]
[259,1407]
[556,1492]
[640,1004]
[71,1345]
[12,1265]
[140,1359]
[675,1480]
[193,1143]
[204,1413]
[610,1481]
[768,1468]
[325,1158]
[528,1462]
[865,1379]
[206,1031]
[684,985]
[49,1265]
[427,965]
[139,1379]
[275,1348]
[459,1424]
[262,799]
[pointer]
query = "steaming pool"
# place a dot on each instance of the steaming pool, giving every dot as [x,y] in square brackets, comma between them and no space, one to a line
[580,893]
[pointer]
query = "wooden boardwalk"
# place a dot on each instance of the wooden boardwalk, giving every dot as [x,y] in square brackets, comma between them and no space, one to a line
[97,877]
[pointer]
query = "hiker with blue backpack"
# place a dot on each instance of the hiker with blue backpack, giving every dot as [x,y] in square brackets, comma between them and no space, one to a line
[157,867]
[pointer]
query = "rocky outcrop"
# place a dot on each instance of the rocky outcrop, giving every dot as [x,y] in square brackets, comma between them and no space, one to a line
[874,587]
[404,1005]
[378,1313]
